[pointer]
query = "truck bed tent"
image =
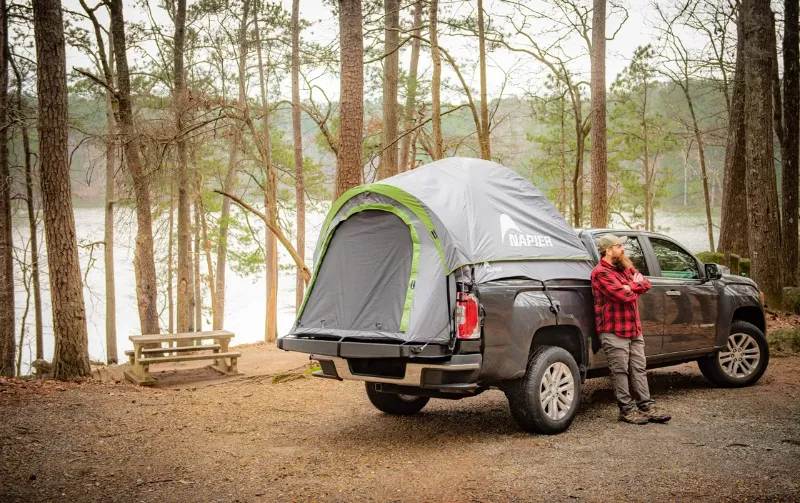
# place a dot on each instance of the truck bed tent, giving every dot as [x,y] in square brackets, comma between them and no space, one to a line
[389,253]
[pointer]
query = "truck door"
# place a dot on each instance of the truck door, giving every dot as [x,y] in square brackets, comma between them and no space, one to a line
[690,300]
[651,307]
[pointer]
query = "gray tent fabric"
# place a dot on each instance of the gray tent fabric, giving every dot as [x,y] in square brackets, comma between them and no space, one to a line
[389,253]
[367,269]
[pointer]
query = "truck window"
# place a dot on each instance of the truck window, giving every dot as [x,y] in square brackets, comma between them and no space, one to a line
[675,262]
[633,249]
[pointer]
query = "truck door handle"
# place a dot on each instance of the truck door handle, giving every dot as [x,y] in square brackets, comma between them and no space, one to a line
[673,293]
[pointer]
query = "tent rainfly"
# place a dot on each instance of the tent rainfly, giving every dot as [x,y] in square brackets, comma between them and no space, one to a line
[389,253]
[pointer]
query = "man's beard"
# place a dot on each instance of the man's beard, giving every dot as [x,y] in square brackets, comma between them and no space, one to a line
[622,263]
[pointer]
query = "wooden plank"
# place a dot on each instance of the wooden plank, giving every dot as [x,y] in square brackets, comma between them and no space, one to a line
[185,358]
[136,379]
[179,349]
[213,334]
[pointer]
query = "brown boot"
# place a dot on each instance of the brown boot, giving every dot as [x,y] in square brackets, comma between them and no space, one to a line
[656,415]
[633,417]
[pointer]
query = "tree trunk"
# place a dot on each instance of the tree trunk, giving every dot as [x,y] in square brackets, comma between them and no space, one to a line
[789,150]
[144,262]
[108,232]
[34,227]
[562,197]
[483,130]
[436,84]
[270,203]
[198,293]
[7,343]
[411,87]
[777,106]
[599,147]
[762,193]
[648,181]
[230,177]
[297,135]
[703,171]
[577,179]
[224,218]
[733,219]
[71,355]
[349,165]
[388,166]
[170,257]
[185,292]
[206,244]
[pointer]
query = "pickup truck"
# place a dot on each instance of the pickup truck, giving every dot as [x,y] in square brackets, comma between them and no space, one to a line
[537,340]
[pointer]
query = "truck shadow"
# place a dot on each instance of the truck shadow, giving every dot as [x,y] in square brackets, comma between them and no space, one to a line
[598,393]
[488,416]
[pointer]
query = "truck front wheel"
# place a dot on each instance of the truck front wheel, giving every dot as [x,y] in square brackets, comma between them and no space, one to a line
[547,398]
[392,403]
[741,362]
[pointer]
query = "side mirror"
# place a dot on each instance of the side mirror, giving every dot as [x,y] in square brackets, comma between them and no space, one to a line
[713,271]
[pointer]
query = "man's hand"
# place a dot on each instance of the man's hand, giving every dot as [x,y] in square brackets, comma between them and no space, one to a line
[638,277]
[627,288]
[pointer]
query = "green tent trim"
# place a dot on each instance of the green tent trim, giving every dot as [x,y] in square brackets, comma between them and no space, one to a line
[392,192]
[414,257]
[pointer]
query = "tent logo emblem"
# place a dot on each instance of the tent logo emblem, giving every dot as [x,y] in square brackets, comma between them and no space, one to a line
[513,236]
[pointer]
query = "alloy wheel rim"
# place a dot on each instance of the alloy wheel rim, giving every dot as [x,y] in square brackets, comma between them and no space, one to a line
[556,391]
[741,356]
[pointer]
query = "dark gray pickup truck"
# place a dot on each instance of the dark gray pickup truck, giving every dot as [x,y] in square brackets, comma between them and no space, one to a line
[534,334]
[414,321]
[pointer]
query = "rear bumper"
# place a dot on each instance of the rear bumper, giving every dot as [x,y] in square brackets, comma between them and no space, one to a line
[419,366]
[460,372]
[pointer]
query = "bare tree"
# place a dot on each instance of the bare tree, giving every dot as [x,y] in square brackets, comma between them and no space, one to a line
[349,169]
[599,145]
[144,262]
[762,191]
[185,287]
[436,83]
[411,87]
[71,355]
[7,343]
[388,165]
[679,69]
[791,133]
[483,127]
[270,201]
[33,223]
[297,136]
[733,219]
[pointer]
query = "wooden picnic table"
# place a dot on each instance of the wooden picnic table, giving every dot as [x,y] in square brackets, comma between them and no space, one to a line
[150,349]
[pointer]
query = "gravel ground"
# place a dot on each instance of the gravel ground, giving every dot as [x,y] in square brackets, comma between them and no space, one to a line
[318,440]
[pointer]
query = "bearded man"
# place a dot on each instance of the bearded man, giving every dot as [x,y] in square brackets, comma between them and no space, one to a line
[616,285]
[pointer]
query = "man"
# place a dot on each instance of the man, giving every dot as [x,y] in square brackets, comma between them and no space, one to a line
[616,285]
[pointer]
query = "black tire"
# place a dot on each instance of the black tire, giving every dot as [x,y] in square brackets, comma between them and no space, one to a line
[714,370]
[524,394]
[391,403]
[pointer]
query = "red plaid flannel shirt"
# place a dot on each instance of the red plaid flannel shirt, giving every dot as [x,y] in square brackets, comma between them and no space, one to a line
[615,309]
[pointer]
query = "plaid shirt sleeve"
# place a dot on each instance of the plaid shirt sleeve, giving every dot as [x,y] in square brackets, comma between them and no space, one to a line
[641,287]
[611,287]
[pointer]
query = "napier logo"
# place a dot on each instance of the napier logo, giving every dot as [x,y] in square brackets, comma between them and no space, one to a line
[513,236]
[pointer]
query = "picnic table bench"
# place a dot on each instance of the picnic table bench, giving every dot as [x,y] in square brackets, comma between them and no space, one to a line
[190,346]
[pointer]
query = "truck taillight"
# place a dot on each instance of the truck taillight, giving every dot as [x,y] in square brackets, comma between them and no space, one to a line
[468,317]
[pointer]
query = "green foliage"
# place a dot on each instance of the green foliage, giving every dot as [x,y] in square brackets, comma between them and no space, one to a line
[784,341]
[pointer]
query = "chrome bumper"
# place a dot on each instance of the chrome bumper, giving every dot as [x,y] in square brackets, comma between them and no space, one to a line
[414,372]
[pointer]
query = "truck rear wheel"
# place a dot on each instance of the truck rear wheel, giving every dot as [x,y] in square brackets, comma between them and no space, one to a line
[392,403]
[742,362]
[547,398]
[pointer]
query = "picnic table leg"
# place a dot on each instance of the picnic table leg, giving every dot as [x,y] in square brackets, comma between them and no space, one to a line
[220,363]
[140,374]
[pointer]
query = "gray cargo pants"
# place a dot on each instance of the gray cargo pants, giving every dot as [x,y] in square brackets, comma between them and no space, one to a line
[628,376]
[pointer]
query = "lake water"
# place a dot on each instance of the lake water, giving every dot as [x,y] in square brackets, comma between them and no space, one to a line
[245,296]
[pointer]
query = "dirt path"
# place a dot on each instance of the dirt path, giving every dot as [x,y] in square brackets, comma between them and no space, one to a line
[319,440]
